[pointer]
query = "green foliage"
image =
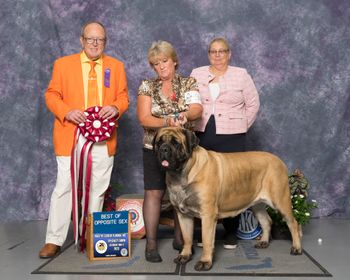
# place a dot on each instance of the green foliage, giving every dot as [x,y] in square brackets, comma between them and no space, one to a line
[301,205]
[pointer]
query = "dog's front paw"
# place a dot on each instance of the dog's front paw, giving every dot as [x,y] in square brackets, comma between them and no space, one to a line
[295,251]
[262,245]
[203,266]
[182,259]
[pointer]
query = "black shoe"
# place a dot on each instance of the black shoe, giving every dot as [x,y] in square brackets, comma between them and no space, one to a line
[230,241]
[177,246]
[153,256]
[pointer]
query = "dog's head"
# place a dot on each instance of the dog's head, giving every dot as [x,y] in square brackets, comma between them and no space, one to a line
[174,146]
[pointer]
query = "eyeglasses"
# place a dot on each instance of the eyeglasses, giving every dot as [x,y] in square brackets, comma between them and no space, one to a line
[220,52]
[99,41]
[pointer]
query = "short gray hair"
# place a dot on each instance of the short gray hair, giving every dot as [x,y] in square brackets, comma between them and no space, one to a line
[93,22]
[220,40]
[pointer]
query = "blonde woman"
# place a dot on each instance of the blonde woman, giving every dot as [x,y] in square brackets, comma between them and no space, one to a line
[167,100]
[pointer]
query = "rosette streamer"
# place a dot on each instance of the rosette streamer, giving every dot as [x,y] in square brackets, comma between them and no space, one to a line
[93,130]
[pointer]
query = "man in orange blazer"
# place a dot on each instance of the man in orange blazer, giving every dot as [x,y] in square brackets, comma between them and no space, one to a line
[67,98]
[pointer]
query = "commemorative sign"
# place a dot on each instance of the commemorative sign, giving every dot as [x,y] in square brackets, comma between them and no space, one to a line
[109,235]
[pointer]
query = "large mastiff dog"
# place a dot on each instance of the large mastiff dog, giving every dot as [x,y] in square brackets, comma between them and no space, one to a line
[211,185]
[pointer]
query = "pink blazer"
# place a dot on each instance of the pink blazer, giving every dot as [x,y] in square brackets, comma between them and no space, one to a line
[237,105]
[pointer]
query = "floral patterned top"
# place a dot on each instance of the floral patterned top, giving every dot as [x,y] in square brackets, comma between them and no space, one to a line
[185,93]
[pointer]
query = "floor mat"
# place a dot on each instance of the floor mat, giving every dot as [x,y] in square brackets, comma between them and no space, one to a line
[246,260]
[72,262]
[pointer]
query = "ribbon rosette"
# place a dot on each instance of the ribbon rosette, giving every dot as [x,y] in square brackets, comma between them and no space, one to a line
[93,130]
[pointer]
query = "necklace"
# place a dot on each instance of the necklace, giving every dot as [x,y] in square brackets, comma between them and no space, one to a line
[169,93]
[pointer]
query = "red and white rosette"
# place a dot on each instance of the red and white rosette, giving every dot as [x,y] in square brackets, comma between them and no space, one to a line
[93,130]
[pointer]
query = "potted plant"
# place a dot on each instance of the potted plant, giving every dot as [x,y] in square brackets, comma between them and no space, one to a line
[301,206]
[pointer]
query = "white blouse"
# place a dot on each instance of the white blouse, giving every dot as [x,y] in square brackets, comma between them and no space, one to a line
[214,89]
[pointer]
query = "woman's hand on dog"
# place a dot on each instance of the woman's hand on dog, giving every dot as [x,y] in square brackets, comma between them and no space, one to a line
[179,120]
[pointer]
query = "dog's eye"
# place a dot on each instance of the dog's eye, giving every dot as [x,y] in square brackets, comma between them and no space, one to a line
[175,143]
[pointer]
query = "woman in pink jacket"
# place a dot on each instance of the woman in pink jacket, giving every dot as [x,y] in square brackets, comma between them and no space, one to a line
[230,104]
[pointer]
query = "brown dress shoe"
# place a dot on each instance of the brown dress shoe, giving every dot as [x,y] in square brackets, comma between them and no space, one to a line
[49,250]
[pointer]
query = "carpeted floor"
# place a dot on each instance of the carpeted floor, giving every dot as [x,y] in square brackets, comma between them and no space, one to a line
[72,262]
[245,260]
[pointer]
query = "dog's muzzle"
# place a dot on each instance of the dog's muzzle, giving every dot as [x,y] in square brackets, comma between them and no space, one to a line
[170,157]
[165,153]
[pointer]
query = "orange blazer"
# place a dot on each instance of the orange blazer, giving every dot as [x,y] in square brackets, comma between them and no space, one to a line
[66,92]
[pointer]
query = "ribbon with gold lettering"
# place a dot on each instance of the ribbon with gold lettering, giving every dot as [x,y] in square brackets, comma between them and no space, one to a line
[93,130]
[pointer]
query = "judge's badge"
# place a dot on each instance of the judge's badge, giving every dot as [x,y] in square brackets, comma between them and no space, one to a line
[107,78]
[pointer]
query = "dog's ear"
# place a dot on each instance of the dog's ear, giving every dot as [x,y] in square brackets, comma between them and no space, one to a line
[191,139]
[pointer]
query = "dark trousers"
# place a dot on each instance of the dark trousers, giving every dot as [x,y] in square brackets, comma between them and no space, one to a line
[223,143]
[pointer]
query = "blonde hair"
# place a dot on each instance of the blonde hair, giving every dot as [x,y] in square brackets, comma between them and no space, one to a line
[219,40]
[162,48]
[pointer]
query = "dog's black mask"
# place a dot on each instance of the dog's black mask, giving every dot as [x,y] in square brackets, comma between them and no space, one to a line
[173,147]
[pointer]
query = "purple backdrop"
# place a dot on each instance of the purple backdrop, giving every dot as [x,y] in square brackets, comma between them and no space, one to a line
[296,51]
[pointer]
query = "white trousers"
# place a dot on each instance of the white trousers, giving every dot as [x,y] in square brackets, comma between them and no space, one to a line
[61,199]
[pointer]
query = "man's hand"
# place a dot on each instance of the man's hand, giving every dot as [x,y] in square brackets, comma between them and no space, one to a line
[75,116]
[108,112]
